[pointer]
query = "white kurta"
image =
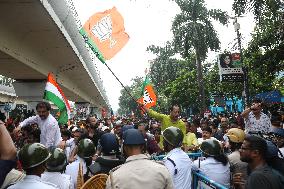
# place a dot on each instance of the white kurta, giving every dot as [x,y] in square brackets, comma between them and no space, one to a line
[49,130]
[63,181]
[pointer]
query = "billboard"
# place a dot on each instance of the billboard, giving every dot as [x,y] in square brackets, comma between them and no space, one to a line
[230,68]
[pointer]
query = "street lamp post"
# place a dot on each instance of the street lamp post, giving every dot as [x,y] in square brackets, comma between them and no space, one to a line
[245,69]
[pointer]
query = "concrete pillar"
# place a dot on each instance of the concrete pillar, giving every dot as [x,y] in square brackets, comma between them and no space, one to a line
[30,91]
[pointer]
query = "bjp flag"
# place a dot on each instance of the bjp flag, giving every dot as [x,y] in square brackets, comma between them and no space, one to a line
[148,98]
[104,33]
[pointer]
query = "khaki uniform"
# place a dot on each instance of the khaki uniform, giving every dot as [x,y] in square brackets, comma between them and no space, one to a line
[139,172]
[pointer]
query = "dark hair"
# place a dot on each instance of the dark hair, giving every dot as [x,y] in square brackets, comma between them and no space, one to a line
[45,105]
[142,124]
[214,126]
[221,158]
[172,107]
[208,129]
[234,146]
[66,133]
[257,143]
[257,100]
[276,119]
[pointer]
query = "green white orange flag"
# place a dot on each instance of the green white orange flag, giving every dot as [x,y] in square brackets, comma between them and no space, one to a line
[105,34]
[148,98]
[54,94]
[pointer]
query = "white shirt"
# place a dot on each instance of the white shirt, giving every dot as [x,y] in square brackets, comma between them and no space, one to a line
[200,140]
[282,152]
[49,130]
[32,182]
[69,147]
[263,124]
[73,169]
[182,178]
[214,170]
[63,181]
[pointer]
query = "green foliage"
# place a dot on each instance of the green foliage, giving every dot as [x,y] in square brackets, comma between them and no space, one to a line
[264,55]
[126,103]
[164,68]
[258,7]
[193,29]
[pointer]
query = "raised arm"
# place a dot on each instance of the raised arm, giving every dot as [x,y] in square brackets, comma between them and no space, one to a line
[28,121]
[7,148]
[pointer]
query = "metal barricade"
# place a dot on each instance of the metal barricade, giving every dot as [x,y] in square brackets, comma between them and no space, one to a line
[202,182]
[190,155]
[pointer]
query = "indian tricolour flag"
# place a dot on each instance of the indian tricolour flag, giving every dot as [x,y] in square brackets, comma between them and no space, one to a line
[54,94]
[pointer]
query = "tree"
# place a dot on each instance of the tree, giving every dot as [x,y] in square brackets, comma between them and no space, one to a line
[264,55]
[164,68]
[126,104]
[193,31]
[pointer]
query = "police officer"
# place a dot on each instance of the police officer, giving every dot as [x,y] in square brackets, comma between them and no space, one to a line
[33,158]
[177,161]
[138,171]
[110,155]
[215,165]
[86,150]
[56,165]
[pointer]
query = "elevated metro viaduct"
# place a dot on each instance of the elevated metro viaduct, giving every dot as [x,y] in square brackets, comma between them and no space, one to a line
[41,36]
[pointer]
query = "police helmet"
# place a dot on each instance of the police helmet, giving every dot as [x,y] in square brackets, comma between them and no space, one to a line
[32,155]
[86,148]
[57,161]
[211,147]
[173,136]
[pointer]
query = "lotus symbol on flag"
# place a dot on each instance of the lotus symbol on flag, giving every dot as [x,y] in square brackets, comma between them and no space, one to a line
[147,98]
[103,30]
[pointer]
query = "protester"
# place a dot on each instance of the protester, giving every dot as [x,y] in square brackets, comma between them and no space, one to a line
[236,137]
[206,134]
[255,120]
[138,171]
[168,120]
[177,161]
[152,146]
[50,132]
[190,140]
[253,151]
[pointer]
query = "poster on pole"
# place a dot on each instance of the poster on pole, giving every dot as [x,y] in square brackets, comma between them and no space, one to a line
[230,68]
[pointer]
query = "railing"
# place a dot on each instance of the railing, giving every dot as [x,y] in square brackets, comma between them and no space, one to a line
[202,182]
[199,181]
[190,155]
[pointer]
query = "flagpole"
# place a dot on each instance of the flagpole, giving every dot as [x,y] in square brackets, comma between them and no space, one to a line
[121,84]
[79,24]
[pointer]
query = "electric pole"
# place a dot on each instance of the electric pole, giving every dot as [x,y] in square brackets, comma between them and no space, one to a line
[245,69]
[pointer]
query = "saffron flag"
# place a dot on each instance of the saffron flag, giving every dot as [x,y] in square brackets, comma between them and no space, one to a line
[105,34]
[54,94]
[148,98]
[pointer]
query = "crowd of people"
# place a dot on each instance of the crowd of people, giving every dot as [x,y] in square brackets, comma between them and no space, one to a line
[244,150]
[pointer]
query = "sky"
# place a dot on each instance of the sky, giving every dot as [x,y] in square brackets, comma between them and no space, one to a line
[148,22]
